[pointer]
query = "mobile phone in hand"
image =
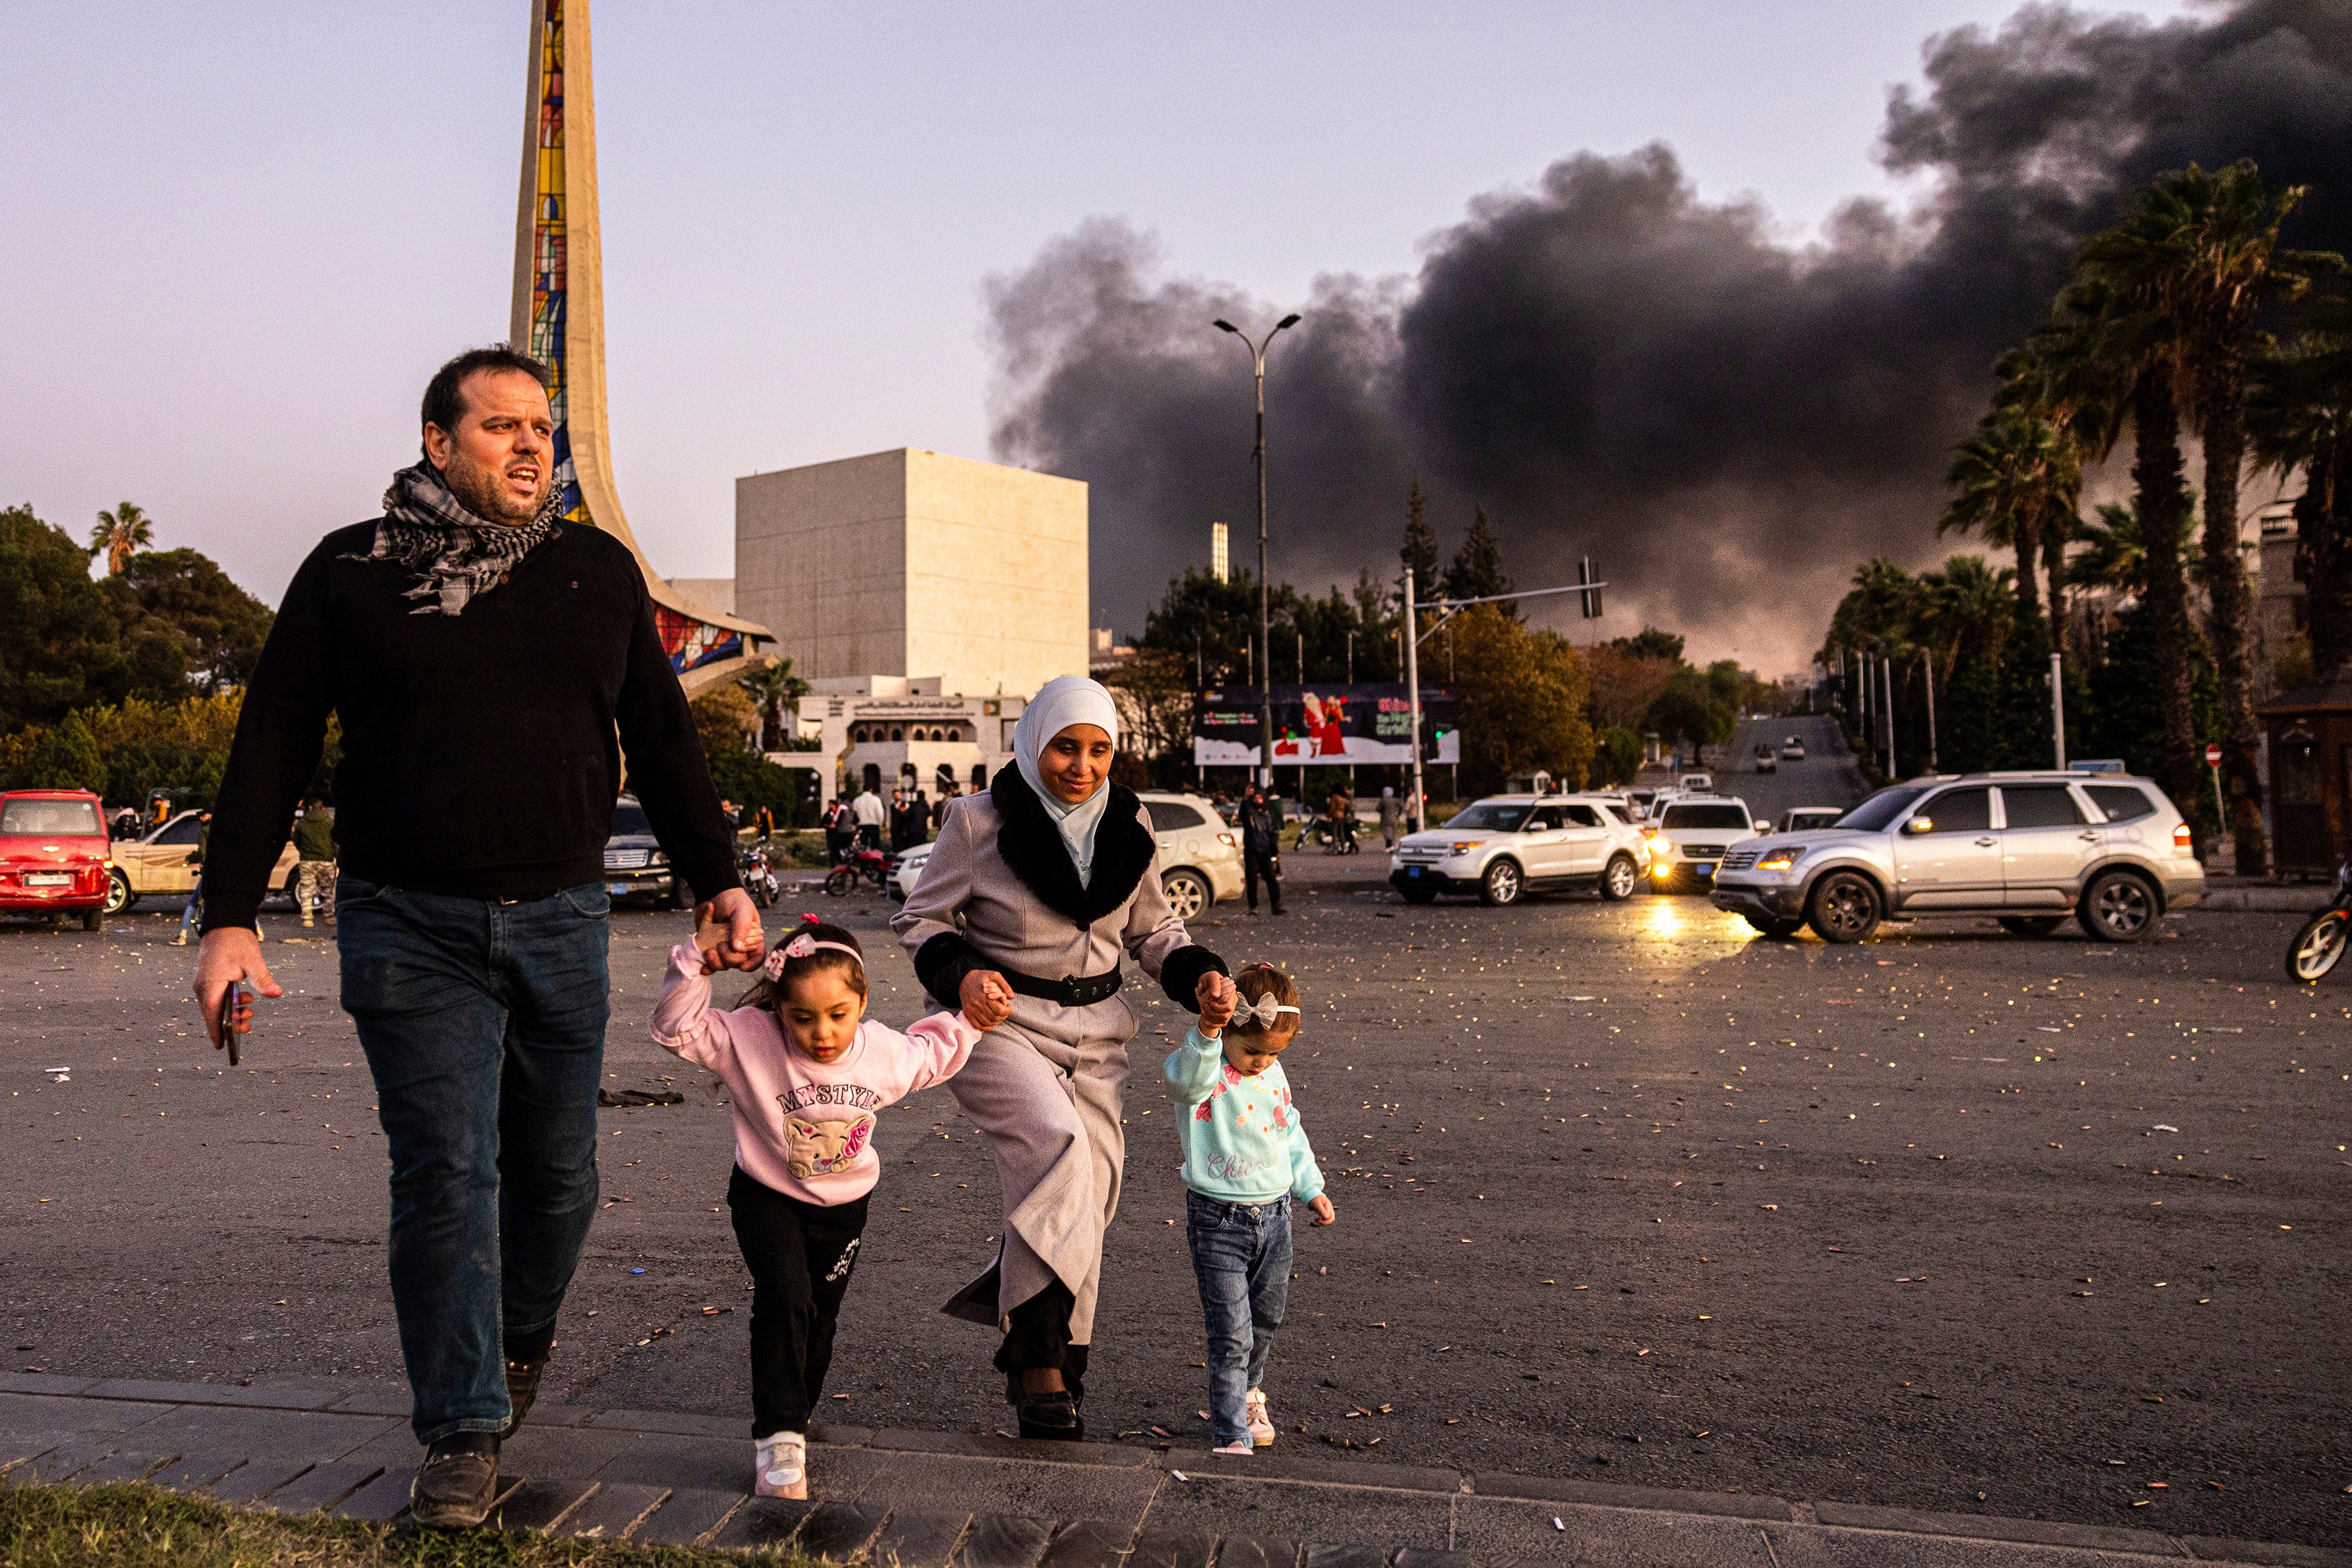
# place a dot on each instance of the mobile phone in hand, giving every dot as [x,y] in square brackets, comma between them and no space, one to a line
[233,1001]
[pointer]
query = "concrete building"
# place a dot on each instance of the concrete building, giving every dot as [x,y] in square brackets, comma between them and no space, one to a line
[912,565]
[882,731]
[2282,608]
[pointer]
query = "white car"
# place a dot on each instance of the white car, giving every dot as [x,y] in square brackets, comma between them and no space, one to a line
[1506,844]
[1688,836]
[1695,784]
[1200,856]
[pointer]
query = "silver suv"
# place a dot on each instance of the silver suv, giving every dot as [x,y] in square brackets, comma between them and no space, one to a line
[1506,844]
[2026,847]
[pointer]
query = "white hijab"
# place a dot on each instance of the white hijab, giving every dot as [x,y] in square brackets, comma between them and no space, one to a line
[1065,701]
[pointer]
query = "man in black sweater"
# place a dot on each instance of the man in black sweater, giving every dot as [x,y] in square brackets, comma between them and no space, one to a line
[490,664]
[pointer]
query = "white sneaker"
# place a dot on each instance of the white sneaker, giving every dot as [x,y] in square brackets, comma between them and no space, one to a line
[1261,1428]
[782,1470]
[1241,1449]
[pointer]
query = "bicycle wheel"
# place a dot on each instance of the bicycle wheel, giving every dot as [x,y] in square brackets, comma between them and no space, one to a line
[2317,946]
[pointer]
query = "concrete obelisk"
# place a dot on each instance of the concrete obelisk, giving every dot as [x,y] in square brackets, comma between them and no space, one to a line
[559,318]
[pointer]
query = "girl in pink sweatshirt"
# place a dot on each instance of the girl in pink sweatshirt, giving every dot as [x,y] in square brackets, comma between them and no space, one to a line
[806,1070]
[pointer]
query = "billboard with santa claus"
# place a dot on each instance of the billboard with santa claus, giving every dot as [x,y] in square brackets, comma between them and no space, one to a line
[1324,725]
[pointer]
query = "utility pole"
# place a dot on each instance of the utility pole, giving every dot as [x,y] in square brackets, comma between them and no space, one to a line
[2058,707]
[1413,697]
[1887,676]
[1265,603]
[1929,660]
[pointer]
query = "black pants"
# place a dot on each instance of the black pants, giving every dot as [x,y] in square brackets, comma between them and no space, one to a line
[1254,866]
[800,1255]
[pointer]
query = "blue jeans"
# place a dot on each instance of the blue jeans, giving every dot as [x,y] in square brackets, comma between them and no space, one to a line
[1241,1257]
[484,1026]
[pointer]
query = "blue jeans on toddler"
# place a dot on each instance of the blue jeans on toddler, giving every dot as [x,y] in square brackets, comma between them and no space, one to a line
[483,1021]
[1241,1257]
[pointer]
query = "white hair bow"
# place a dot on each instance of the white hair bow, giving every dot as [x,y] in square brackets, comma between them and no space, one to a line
[802,946]
[1264,1012]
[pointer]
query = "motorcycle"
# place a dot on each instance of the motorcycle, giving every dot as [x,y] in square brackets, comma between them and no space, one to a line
[1328,834]
[760,876]
[864,865]
[2320,943]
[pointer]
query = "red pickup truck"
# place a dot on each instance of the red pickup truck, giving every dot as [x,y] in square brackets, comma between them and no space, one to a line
[52,854]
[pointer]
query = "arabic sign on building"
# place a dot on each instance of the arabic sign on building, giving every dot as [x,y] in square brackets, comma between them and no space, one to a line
[1324,725]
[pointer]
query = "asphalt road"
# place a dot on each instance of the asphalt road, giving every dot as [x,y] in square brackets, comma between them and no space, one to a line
[1623,1193]
[1826,776]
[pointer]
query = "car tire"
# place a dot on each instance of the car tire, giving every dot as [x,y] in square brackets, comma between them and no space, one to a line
[2119,905]
[1619,879]
[1845,908]
[1418,895]
[681,897]
[2318,947]
[1773,929]
[91,919]
[1188,896]
[1502,884]
[2030,925]
[119,895]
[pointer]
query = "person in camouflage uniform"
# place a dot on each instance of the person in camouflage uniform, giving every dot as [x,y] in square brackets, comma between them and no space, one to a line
[314,867]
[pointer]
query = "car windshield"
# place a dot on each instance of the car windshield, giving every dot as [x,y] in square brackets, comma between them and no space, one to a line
[42,818]
[1494,816]
[1706,816]
[1879,812]
[629,819]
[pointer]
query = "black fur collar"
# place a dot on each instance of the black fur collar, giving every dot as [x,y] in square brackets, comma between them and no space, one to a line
[1032,845]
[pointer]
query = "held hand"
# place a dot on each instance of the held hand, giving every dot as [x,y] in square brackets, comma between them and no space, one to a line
[987,999]
[1322,1210]
[228,954]
[1218,996]
[743,945]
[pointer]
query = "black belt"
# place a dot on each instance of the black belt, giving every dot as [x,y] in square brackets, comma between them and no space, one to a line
[1071,990]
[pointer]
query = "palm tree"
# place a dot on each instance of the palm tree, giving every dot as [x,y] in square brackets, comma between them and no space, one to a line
[769,687]
[2202,249]
[118,535]
[2013,477]
[2042,379]
[2116,350]
[1964,608]
[2299,415]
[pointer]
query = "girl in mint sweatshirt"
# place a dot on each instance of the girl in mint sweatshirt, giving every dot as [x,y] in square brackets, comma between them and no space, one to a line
[1245,1158]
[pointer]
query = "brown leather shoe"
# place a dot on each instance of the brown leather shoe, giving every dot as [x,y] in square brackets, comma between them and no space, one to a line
[458,1482]
[522,1391]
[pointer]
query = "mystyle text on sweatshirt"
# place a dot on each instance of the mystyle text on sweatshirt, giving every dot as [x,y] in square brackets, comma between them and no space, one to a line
[1244,1141]
[802,1127]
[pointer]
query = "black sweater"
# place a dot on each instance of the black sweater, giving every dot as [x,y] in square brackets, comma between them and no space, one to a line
[481,751]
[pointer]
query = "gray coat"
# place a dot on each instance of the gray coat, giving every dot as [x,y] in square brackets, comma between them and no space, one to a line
[1045,1087]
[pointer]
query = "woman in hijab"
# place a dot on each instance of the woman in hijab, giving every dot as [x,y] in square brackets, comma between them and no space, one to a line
[1044,880]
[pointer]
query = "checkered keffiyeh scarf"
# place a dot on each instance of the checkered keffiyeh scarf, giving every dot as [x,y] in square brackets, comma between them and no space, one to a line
[455,553]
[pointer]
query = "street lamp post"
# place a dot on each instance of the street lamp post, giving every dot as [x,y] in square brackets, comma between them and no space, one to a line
[1265,601]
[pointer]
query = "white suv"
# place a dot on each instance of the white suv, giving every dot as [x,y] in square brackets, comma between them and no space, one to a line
[1690,833]
[1506,844]
[1200,856]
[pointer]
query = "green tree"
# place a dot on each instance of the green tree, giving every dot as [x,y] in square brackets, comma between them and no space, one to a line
[59,647]
[1620,755]
[1420,550]
[2202,250]
[1522,702]
[1478,569]
[2299,418]
[2011,479]
[725,719]
[771,687]
[1689,707]
[1650,643]
[219,627]
[66,757]
[120,535]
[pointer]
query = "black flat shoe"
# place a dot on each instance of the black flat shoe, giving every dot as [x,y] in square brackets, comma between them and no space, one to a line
[458,1482]
[522,1390]
[1053,1416]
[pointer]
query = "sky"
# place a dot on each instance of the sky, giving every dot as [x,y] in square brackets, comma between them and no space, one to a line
[242,236]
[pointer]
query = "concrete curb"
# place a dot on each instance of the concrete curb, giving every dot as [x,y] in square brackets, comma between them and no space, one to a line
[270,1453]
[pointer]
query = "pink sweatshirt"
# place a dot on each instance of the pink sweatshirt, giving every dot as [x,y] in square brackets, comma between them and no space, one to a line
[802,1127]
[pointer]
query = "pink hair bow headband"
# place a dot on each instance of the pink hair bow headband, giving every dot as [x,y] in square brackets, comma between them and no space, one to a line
[803,945]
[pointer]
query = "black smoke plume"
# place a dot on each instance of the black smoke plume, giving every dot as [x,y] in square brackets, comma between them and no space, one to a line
[1614,367]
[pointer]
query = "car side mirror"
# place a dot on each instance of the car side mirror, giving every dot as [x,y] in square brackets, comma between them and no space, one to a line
[1761,827]
[1918,825]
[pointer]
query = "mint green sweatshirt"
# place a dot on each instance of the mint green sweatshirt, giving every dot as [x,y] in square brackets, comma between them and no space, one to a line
[1243,1143]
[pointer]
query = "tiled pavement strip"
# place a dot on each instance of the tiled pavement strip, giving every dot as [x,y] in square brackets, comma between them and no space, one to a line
[926,1500]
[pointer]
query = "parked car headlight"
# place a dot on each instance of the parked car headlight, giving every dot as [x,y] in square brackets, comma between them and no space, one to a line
[1463,847]
[1781,859]
[656,859]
